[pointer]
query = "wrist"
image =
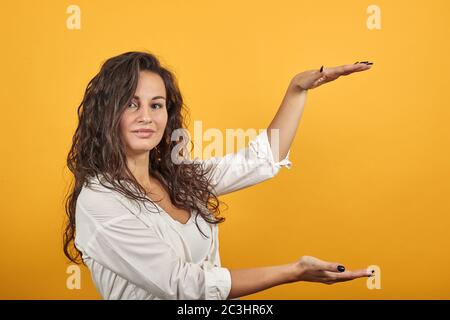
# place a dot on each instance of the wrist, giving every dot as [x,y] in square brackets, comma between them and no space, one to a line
[294,272]
[295,88]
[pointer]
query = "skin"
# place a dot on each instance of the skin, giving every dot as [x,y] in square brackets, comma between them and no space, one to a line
[315,270]
[144,112]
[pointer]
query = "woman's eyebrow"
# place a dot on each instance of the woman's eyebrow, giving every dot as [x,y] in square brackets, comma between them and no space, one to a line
[154,98]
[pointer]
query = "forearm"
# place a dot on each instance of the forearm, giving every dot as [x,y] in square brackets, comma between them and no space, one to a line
[248,281]
[286,120]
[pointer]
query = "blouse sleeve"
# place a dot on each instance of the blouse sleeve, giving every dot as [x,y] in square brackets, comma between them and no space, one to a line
[134,251]
[247,167]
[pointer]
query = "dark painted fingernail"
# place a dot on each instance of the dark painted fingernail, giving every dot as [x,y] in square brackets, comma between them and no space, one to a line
[321,68]
[356,62]
[341,268]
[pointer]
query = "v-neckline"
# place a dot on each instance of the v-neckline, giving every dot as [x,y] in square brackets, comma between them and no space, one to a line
[170,217]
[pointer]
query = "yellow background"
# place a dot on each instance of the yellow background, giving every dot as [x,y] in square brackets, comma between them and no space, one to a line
[370,176]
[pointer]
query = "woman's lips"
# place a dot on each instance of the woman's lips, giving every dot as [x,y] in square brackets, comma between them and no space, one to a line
[144,133]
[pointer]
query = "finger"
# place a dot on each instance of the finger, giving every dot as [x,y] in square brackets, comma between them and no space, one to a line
[332,266]
[318,73]
[361,67]
[347,275]
[317,82]
[315,263]
[347,69]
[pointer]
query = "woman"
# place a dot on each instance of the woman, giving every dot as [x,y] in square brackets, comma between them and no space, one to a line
[123,159]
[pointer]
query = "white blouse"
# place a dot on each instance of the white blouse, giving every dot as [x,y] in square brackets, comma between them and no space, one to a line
[137,252]
[197,242]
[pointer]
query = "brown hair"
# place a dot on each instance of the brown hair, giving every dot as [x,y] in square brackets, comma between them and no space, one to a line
[97,147]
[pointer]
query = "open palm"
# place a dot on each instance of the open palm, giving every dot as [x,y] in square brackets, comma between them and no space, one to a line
[311,79]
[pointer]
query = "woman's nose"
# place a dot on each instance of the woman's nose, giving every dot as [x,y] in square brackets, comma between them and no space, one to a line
[145,115]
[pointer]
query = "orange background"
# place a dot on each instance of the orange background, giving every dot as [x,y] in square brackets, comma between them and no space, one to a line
[370,177]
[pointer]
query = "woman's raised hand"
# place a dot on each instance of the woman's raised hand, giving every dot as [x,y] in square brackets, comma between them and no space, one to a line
[311,79]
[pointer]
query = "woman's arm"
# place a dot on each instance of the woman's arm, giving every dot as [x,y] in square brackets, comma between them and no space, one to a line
[288,116]
[249,281]
[247,167]
[286,120]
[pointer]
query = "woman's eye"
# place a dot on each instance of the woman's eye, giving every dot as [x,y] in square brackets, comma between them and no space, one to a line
[155,106]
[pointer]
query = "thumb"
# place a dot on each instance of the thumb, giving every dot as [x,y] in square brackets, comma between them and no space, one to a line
[334,267]
[315,77]
[327,266]
[316,74]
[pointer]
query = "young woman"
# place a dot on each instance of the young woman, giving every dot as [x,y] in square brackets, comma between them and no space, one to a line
[123,160]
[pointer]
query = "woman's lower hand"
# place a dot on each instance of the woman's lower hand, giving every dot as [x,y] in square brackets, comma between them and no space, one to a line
[315,270]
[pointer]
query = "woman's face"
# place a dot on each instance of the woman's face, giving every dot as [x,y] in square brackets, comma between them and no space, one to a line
[147,110]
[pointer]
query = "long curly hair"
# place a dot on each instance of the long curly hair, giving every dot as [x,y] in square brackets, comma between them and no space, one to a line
[97,148]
